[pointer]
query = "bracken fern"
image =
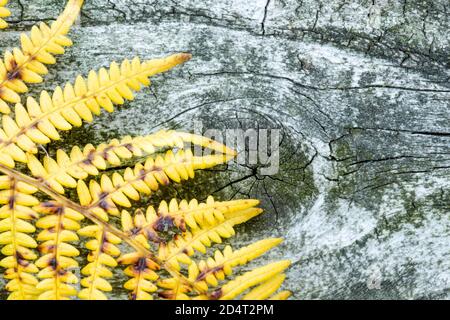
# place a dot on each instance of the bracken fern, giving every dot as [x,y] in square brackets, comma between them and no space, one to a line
[163,250]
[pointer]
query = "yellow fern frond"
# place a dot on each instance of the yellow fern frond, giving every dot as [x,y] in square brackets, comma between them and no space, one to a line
[4,12]
[251,278]
[16,217]
[57,256]
[26,65]
[282,295]
[39,122]
[174,288]
[79,164]
[266,289]
[213,271]
[255,278]
[103,251]
[143,179]
[210,272]
[199,239]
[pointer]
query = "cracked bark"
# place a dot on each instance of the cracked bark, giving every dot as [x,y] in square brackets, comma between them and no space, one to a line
[360,92]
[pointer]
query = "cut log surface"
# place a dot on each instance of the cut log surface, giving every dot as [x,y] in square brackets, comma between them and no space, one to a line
[360,91]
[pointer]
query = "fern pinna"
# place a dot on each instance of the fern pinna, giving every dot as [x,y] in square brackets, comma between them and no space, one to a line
[162,250]
[4,12]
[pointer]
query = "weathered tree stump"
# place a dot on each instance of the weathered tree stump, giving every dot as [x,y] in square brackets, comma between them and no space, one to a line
[360,90]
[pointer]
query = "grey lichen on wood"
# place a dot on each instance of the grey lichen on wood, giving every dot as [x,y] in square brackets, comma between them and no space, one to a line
[360,90]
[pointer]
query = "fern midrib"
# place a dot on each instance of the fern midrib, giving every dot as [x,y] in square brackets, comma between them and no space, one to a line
[138,284]
[237,285]
[13,218]
[71,165]
[93,217]
[130,182]
[196,237]
[39,49]
[176,274]
[165,261]
[229,260]
[76,207]
[97,152]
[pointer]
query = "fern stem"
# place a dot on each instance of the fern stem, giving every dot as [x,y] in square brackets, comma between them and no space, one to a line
[17,266]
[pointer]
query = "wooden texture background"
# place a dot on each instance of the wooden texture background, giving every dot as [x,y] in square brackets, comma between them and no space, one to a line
[360,90]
